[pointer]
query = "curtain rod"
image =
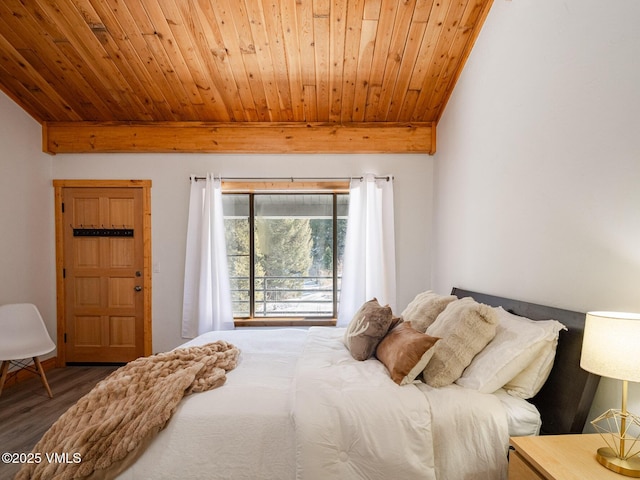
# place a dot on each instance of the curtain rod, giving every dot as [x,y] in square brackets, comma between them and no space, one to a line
[294,179]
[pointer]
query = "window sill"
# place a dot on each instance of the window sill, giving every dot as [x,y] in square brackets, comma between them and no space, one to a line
[285,322]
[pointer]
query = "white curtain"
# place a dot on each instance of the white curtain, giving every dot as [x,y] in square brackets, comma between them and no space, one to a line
[207,292]
[369,264]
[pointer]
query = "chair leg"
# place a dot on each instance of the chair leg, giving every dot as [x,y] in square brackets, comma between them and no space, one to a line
[3,375]
[40,370]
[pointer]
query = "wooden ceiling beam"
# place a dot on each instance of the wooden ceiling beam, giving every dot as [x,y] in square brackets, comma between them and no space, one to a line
[259,137]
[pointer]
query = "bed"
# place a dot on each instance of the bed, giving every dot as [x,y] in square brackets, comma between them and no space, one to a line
[300,406]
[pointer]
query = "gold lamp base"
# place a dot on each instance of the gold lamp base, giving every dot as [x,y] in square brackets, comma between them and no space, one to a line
[629,467]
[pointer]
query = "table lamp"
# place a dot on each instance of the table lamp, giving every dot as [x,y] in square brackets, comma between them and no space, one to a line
[611,348]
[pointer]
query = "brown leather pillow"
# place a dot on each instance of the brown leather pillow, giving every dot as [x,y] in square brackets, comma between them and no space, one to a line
[368,326]
[405,352]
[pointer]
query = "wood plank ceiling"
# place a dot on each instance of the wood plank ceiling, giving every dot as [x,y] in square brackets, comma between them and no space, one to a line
[236,75]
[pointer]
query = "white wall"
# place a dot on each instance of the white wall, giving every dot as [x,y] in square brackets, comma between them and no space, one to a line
[27,242]
[170,196]
[538,166]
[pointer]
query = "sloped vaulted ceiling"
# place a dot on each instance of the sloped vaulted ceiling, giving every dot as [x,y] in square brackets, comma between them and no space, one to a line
[236,75]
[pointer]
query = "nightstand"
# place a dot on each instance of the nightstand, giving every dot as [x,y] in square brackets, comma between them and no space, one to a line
[558,457]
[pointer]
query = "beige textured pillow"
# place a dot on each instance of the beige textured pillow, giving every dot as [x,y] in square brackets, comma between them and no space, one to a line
[405,352]
[367,327]
[425,308]
[465,327]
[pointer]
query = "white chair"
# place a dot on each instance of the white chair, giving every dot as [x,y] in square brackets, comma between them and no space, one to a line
[23,335]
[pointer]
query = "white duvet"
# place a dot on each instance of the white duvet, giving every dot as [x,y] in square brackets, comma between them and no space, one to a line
[298,406]
[352,421]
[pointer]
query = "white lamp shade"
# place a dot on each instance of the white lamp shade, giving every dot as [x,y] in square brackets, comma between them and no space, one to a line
[611,345]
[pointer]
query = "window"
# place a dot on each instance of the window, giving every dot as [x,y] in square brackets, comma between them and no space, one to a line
[285,253]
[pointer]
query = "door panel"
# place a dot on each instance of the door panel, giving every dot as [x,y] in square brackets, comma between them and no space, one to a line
[104,284]
[87,253]
[121,212]
[122,331]
[87,292]
[86,212]
[122,292]
[88,331]
[121,253]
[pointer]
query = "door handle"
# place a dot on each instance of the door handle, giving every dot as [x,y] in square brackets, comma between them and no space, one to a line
[138,288]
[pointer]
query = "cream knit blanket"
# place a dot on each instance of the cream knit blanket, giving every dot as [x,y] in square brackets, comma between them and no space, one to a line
[99,435]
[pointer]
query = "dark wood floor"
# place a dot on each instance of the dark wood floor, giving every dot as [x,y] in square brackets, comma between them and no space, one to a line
[26,412]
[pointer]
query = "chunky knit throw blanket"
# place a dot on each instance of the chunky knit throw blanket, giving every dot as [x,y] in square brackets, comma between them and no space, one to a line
[119,415]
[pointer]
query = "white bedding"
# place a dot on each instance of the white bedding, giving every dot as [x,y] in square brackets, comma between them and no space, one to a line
[242,430]
[352,421]
[523,417]
[282,415]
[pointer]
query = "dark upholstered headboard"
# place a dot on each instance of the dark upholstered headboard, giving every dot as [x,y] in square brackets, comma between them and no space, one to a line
[566,397]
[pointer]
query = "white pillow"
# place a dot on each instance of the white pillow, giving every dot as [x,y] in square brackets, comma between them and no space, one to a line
[529,382]
[519,341]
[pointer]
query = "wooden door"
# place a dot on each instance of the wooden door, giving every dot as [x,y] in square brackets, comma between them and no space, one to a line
[105,274]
